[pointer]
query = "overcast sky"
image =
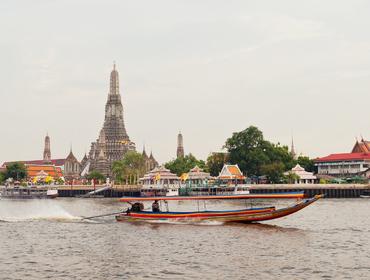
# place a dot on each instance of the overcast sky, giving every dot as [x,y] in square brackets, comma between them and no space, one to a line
[207,68]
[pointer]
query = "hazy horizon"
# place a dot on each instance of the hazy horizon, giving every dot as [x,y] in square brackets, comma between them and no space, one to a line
[205,68]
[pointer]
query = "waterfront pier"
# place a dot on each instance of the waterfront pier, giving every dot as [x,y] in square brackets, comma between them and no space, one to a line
[329,190]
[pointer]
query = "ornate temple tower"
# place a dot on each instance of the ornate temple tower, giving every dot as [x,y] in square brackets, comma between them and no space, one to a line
[47,152]
[180,146]
[292,150]
[113,142]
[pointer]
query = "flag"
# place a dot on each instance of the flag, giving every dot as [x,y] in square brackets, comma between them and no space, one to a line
[184,176]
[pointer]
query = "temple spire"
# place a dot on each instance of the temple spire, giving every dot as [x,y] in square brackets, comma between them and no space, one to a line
[114,81]
[180,146]
[292,150]
[47,152]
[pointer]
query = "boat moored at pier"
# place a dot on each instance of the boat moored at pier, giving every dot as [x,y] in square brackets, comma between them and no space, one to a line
[28,193]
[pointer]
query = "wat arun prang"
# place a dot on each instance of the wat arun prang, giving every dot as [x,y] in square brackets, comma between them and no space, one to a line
[113,142]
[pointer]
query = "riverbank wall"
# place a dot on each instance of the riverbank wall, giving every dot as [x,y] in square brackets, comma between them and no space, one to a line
[329,190]
[310,190]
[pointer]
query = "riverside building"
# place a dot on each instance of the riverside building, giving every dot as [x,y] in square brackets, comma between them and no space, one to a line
[355,163]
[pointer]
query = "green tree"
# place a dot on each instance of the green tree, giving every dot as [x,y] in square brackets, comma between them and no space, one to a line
[96,175]
[184,164]
[2,177]
[274,172]
[251,152]
[246,148]
[307,163]
[16,170]
[131,166]
[291,178]
[215,162]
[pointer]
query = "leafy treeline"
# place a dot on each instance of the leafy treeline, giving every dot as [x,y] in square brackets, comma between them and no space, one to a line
[130,168]
[184,164]
[255,156]
[17,171]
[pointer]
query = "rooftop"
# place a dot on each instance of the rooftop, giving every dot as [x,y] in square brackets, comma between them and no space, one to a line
[344,157]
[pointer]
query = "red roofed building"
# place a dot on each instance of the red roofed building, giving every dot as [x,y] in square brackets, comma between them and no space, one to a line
[343,165]
[355,163]
[56,162]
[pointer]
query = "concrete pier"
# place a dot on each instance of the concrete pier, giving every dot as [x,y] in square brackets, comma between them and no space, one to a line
[329,190]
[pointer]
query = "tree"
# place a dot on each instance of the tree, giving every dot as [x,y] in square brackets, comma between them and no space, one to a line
[96,175]
[291,178]
[16,170]
[251,152]
[307,163]
[274,171]
[131,166]
[2,177]
[246,148]
[184,164]
[215,162]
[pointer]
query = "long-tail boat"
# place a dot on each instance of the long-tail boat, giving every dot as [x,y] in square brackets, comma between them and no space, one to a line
[249,215]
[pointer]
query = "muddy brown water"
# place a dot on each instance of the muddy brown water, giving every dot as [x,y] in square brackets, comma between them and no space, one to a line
[46,239]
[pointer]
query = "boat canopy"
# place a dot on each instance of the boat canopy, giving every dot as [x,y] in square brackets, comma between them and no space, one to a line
[215,197]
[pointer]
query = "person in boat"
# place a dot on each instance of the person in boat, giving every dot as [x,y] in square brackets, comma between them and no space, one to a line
[137,207]
[155,206]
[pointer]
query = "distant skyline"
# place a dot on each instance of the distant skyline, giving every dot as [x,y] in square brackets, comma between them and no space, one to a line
[205,68]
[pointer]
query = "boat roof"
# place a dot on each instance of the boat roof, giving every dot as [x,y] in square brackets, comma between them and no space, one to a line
[215,197]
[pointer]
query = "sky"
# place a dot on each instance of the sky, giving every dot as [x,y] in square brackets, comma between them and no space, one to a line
[292,68]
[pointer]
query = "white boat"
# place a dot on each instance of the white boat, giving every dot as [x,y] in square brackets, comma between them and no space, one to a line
[241,189]
[27,192]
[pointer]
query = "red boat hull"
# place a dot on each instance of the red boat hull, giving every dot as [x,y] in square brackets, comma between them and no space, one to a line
[241,216]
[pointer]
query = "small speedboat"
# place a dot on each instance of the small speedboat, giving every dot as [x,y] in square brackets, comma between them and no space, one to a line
[249,215]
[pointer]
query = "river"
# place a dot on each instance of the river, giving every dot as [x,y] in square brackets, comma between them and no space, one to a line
[46,239]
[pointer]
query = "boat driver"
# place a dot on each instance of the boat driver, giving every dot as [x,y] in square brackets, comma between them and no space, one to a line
[155,206]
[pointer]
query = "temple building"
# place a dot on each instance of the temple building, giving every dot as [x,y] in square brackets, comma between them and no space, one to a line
[113,141]
[180,146]
[302,176]
[67,169]
[231,173]
[72,168]
[196,176]
[47,160]
[362,146]
[38,172]
[150,162]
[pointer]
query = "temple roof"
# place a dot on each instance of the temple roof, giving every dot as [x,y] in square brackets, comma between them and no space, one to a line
[361,147]
[231,172]
[50,170]
[198,173]
[301,172]
[163,173]
[71,156]
[56,162]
